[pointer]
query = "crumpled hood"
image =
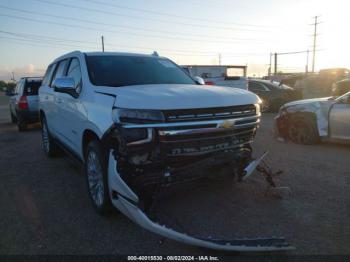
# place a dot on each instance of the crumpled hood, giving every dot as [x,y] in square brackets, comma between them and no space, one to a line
[307,102]
[174,96]
[318,106]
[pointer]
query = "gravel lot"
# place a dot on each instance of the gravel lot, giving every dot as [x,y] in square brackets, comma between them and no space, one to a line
[44,207]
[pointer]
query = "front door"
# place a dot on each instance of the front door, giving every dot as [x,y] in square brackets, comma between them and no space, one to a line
[339,118]
[70,109]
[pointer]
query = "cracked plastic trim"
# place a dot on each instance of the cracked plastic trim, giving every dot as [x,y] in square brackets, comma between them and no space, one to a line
[131,210]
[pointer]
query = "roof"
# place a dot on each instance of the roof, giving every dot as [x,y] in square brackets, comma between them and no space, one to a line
[117,54]
[33,78]
[217,66]
[79,53]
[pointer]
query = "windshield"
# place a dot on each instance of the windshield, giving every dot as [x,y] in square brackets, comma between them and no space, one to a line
[134,70]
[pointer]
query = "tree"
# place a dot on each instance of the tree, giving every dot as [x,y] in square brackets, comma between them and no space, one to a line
[3,85]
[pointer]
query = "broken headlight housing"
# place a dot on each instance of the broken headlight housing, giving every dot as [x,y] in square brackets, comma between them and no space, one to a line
[137,116]
[258,109]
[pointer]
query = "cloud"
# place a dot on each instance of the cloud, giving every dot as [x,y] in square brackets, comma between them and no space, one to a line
[27,70]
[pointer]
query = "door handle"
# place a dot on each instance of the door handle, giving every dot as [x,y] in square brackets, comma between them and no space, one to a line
[59,100]
[46,97]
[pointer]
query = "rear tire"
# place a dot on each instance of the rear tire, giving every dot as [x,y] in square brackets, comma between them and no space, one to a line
[13,119]
[21,125]
[303,130]
[96,172]
[48,144]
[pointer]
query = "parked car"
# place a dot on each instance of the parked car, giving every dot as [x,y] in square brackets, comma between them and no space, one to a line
[139,122]
[272,94]
[309,121]
[220,75]
[341,87]
[321,84]
[24,102]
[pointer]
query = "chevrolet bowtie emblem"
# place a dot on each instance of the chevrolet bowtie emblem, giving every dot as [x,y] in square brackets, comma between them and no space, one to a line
[227,124]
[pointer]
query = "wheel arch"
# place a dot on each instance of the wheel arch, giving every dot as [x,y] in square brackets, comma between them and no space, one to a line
[88,136]
[308,118]
[41,114]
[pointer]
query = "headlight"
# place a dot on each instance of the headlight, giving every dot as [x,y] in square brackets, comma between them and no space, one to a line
[137,116]
[257,109]
[134,136]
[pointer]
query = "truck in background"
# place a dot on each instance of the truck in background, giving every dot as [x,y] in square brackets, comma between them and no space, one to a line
[220,75]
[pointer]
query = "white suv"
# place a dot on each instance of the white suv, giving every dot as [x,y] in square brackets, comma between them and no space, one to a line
[138,122]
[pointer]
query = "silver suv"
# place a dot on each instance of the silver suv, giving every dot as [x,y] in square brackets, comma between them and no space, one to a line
[24,107]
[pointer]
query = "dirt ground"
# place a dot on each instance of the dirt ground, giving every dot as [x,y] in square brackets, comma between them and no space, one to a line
[44,207]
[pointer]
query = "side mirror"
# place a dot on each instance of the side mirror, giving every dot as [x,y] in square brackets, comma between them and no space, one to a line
[65,85]
[199,80]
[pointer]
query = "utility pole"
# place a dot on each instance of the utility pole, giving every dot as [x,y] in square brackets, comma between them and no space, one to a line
[314,45]
[269,71]
[219,59]
[103,43]
[307,62]
[13,76]
[275,64]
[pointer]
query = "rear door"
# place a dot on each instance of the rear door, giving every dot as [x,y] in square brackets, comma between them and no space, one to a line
[339,118]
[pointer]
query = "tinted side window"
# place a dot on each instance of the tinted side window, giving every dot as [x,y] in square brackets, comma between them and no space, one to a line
[60,70]
[32,87]
[253,86]
[74,71]
[48,75]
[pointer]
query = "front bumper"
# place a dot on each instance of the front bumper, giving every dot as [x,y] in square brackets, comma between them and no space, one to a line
[189,150]
[123,198]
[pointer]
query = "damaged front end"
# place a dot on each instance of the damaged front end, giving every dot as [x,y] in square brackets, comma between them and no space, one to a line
[315,110]
[153,149]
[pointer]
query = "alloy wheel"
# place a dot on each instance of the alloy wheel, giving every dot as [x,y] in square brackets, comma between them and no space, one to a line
[95,178]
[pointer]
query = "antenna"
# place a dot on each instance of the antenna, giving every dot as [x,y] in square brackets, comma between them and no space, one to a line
[155,53]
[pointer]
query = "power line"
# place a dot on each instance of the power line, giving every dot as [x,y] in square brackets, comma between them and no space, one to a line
[51,43]
[47,43]
[115,32]
[174,15]
[118,26]
[289,53]
[173,51]
[146,18]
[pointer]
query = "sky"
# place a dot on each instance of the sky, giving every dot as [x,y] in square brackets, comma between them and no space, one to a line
[243,32]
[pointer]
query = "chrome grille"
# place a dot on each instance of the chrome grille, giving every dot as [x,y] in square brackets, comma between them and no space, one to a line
[209,113]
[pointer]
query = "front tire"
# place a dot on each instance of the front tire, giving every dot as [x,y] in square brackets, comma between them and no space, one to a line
[303,130]
[48,144]
[97,177]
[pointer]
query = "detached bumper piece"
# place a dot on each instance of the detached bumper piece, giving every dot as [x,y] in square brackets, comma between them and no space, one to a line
[127,202]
